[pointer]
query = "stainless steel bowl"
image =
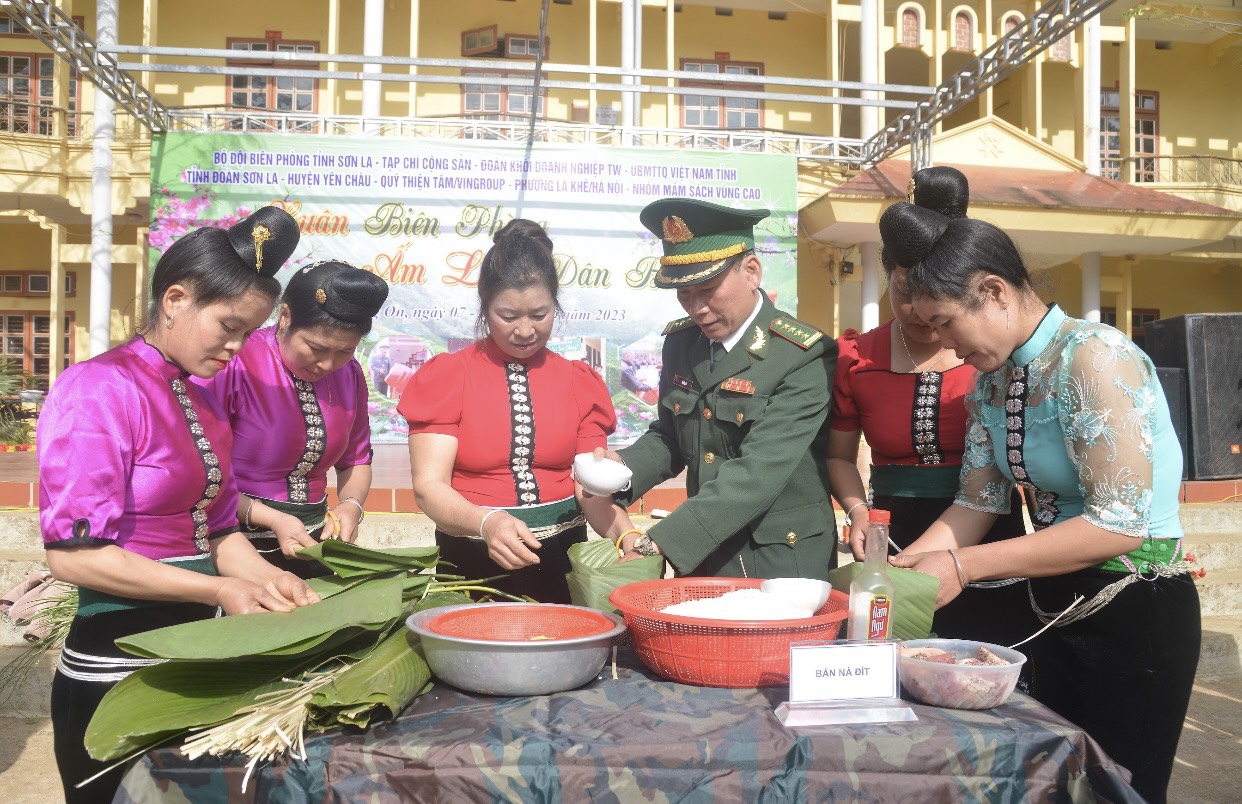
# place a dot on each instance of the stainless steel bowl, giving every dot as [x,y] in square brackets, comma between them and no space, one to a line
[534,665]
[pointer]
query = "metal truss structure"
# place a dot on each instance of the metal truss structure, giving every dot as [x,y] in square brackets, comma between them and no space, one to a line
[53,28]
[1052,21]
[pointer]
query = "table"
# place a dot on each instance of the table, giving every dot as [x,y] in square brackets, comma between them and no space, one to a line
[640,738]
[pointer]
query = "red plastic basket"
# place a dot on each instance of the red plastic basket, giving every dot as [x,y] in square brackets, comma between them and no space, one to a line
[717,653]
[520,622]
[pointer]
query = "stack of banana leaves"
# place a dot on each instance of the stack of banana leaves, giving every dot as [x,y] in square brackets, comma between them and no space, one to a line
[255,684]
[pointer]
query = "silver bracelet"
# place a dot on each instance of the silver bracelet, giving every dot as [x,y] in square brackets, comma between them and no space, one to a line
[848,514]
[483,521]
[961,574]
[362,512]
[249,508]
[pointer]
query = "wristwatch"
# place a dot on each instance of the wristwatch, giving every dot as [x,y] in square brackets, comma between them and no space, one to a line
[644,546]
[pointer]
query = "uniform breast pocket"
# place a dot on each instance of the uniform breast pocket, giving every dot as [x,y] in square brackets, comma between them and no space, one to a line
[740,411]
[681,404]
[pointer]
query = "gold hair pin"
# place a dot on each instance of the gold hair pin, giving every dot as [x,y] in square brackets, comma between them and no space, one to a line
[321,296]
[910,190]
[261,235]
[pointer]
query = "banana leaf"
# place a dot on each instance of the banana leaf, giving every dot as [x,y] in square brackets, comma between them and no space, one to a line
[914,598]
[160,702]
[596,570]
[351,561]
[390,676]
[367,607]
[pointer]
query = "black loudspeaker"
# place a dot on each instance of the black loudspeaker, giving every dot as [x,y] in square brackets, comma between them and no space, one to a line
[1208,346]
[1173,381]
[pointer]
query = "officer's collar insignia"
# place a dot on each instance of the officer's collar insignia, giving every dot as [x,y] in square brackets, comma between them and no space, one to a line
[682,383]
[760,341]
[676,230]
[737,385]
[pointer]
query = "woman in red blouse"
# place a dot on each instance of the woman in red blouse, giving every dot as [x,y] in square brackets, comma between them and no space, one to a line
[494,429]
[906,393]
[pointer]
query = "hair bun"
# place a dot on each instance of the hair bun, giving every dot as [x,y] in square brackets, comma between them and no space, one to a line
[523,228]
[265,239]
[344,291]
[909,232]
[943,189]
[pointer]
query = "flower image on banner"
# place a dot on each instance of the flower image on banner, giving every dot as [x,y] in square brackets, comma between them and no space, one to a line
[421,214]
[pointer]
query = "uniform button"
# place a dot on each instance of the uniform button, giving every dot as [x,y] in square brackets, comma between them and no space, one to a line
[709,457]
[1146,548]
[677,407]
[791,537]
[740,417]
[707,413]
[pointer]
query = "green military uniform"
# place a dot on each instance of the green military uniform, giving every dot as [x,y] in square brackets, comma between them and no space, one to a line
[751,431]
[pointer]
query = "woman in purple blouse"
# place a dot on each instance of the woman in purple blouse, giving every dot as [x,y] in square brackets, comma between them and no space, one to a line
[297,401]
[137,502]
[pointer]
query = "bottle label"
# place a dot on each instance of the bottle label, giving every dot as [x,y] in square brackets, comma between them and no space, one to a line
[878,619]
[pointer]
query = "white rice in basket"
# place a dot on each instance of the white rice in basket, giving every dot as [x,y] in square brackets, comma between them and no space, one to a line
[740,604]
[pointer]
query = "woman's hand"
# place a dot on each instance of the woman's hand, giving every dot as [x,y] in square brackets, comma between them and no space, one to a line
[291,534]
[283,592]
[509,541]
[939,565]
[348,517]
[856,537]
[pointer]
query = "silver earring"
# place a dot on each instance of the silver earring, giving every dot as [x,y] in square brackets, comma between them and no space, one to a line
[168,319]
[1007,320]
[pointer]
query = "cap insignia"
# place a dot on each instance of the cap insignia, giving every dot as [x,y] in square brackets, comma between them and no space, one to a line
[260,234]
[676,230]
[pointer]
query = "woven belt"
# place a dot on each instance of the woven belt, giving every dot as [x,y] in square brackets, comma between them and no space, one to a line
[91,601]
[548,519]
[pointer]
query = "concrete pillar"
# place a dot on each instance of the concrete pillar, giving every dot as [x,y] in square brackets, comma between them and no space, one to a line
[593,56]
[1126,102]
[1125,299]
[989,38]
[1090,69]
[372,45]
[103,133]
[1091,286]
[330,91]
[868,57]
[940,34]
[834,65]
[870,285]
[628,99]
[415,36]
[671,114]
[56,305]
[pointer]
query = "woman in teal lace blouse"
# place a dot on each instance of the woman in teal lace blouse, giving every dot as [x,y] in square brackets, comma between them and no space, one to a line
[1071,411]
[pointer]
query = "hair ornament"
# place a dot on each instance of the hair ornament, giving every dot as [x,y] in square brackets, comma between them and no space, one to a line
[321,295]
[260,234]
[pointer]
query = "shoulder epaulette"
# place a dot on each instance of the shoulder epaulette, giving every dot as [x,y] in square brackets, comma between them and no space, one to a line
[680,323]
[796,332]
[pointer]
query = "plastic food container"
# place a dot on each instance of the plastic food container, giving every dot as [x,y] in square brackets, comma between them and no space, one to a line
[958,686]
[515,648]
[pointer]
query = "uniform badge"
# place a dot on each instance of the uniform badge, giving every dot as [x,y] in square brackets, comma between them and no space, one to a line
[796,332]
[738,386]
[760,341]
[682,383]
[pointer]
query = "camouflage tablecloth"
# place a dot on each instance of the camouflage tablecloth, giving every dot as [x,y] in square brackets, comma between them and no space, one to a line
[640,738]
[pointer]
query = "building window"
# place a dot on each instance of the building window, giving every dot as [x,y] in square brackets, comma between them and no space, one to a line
[34,283]
[1140,317]
[479,41]
[27,344]
[1146,134]
[494,102]
[1011,22]
[963,31]
[27,97]
[520,46]
[715,111]
[911,28]
[283,90]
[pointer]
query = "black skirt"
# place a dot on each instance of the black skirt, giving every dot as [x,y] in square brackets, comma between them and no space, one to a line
[544,582]
[74,700]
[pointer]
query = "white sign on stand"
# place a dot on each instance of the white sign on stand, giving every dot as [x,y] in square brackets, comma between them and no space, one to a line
[843,682]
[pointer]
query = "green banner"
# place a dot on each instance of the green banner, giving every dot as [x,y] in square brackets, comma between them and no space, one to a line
[422,213]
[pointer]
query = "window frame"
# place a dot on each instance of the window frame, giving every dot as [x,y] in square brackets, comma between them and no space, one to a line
[1145,165]
[27,355]
[722,108]
[37,118]
[502,113]
[24,280]
[271,89]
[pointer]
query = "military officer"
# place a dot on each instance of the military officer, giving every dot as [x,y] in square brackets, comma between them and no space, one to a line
[744,402]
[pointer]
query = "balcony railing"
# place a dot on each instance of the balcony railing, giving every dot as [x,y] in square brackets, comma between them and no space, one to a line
[38,119]
[255,121]
[1213,171]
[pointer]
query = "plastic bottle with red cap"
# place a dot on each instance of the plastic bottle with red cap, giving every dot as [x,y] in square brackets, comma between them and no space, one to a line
[871,591]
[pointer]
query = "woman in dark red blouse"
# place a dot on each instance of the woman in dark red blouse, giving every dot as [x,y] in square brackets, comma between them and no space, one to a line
[494,429]
[900,389]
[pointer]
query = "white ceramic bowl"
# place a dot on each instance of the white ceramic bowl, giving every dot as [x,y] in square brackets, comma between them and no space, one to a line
[805,593]
[601,477]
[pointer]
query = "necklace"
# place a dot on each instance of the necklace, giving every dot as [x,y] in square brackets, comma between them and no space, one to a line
[914,363]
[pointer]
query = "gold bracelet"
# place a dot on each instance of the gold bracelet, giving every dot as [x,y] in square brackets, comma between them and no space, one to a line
[336,523]
[961,573]
[621,538]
